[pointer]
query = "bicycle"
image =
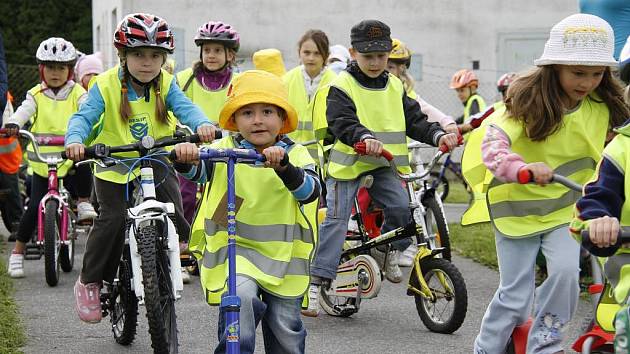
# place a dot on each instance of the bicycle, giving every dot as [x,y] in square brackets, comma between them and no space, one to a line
[433,280]
[56,222]
[150,265]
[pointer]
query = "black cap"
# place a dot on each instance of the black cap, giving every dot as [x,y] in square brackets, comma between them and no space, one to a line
[371,36]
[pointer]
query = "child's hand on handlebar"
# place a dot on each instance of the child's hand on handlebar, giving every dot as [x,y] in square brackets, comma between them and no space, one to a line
[187,153]
[603,231]
[274,156]
[542,174]
[75,151]
[373,147]
[206,132]
[449,140]
[452,128]
[12,129]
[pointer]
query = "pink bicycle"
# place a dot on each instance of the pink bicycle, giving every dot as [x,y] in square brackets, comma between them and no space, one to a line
[56,222]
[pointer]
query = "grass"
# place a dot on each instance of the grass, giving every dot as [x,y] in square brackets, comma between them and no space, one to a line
[475,242]
[457,193]
[12,336]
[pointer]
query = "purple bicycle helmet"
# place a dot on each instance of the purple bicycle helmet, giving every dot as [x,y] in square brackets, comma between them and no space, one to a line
[217,31]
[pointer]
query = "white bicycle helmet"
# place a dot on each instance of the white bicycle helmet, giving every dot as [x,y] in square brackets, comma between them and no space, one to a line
[56,50]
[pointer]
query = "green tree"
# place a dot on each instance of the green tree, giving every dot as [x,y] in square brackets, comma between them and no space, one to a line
[25,23]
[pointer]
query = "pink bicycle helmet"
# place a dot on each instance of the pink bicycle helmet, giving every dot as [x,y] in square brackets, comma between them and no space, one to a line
[217,31]
[505,80]
[464,78]
[144,30]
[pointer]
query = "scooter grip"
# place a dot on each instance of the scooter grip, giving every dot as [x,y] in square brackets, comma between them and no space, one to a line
[524,176]
[283,162]
[623,237]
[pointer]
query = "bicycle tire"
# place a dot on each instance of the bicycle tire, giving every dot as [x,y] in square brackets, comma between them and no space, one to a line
[158,297]
[66,252]
[440,184]
[124,304]
[459,297]
[51,243]
[442,238]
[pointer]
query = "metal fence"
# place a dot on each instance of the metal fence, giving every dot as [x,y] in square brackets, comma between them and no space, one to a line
[21,79]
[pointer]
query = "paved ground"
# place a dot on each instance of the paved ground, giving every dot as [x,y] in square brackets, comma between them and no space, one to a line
[387,324]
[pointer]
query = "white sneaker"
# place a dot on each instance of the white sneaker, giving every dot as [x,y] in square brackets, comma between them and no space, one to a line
[85,211]
[408,256]
[16,265]
[392,271]
[313,301]
[185,276]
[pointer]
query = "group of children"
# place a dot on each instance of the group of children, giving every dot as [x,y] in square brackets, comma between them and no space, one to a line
[283,257]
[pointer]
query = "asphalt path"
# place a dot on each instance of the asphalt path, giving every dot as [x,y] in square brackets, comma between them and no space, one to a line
[386,324]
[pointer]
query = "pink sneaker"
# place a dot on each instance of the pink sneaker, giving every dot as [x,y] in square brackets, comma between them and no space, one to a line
[88,301]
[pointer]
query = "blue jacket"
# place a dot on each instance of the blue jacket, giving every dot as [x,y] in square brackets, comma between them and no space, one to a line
[4,80]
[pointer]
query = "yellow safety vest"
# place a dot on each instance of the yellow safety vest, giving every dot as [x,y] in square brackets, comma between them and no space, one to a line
[294,81]
[275,235]
[113,131]
[380,111]
[518,210]
[481,103]
[51,120]
[475,172]
[210,102]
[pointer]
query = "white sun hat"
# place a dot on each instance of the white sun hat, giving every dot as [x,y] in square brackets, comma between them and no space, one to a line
[580,39]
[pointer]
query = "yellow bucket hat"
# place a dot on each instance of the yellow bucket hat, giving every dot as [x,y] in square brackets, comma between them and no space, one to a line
[257,86]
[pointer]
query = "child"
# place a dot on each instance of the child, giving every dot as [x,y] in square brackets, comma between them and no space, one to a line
[465,82]
[338,59]
[365,103]
[88,66]
[133,100]
[303,82]
[274,224]
[10,160]
[556,121]
[49,105]
[207,82]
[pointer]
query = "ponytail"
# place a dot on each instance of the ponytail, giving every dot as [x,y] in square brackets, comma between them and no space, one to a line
[125,108]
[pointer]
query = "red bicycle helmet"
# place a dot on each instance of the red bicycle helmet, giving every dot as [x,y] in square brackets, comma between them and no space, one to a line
[217,31]
[144,30]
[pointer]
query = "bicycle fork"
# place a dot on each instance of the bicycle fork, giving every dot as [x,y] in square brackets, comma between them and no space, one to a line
[425,290]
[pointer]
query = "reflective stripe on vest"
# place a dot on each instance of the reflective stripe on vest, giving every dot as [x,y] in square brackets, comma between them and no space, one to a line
[5,149]
[296,88]
[142,122]
[51,119]
[11,155]
[210,102]
[273,248]
[524,210]
[381,112]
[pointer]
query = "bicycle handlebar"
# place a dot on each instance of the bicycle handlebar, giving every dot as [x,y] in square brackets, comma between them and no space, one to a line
[222,155]
[359,148]
[44,141]
[526,176]
[101,151]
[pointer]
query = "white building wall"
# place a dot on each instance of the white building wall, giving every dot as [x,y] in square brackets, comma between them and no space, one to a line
[448,34]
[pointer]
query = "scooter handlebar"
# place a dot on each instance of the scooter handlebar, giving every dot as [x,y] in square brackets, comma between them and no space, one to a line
[623,237]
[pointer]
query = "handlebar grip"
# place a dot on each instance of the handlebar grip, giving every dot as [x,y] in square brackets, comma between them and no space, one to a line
[359,148]
[524,176]
[173,155]
[63,153]
[283,162]
[195,139]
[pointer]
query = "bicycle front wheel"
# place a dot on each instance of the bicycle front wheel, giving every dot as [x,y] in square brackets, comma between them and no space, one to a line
[436,226]
[52,242]
[447,311]
[158,295]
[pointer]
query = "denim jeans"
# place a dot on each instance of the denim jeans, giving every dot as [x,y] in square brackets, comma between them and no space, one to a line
[283,331]
[386,190]
[555,299]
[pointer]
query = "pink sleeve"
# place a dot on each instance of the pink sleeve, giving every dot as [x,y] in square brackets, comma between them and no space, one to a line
[497,156]
[434,114]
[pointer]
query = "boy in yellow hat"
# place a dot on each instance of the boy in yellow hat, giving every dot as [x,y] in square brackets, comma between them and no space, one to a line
[275,217]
